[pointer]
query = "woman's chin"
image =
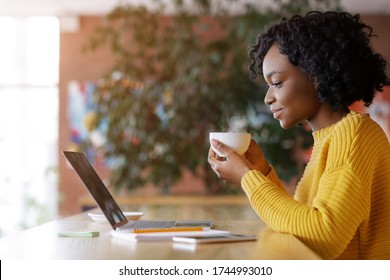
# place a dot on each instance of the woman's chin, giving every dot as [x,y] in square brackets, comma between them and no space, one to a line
[284,124]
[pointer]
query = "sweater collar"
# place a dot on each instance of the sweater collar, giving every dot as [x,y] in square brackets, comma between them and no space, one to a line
[323,133]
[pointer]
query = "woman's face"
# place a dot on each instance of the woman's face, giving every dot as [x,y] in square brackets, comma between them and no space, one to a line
[292,95]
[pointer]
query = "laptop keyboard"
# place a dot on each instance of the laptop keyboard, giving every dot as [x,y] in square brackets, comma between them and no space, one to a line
[146,225]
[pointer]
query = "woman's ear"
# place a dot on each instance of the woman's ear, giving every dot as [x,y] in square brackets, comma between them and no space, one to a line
[315,83]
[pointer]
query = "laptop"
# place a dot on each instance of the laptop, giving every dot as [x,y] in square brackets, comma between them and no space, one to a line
[108,205]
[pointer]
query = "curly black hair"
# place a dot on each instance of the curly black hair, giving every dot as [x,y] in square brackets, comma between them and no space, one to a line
[331,47]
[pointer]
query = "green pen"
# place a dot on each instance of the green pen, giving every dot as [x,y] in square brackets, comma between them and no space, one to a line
[78,234]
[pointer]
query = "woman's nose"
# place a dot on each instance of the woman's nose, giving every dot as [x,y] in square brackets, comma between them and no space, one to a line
[269,97]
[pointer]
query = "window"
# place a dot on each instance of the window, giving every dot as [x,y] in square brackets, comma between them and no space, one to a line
[29,70]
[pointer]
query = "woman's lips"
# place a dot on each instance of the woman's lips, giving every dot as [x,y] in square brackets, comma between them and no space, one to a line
[276,112]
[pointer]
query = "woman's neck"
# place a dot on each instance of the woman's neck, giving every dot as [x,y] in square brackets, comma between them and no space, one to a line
[326,116]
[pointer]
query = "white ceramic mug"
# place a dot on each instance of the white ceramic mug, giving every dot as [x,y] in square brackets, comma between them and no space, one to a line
[238,141]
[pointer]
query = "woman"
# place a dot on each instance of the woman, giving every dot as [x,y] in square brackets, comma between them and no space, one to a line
[316,66]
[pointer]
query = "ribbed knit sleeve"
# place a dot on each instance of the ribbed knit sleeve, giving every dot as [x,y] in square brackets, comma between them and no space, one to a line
[333,203]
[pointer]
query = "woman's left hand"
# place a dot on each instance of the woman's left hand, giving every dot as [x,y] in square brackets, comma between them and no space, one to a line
[232,168]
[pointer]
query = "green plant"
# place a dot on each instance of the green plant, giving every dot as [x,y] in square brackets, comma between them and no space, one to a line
[175,78]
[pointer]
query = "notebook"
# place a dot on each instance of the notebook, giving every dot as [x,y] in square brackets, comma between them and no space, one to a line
[110,208]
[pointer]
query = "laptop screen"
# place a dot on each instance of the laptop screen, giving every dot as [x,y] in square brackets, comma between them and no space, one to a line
[97,188]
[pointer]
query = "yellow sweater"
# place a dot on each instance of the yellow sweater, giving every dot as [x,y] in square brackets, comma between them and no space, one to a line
[341,207]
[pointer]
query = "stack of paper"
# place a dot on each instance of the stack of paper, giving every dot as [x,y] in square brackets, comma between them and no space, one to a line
[166,234]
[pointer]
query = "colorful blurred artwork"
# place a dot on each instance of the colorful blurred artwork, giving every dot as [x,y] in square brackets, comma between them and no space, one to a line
[84,136]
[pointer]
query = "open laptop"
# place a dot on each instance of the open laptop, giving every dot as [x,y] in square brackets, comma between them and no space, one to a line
[108,205]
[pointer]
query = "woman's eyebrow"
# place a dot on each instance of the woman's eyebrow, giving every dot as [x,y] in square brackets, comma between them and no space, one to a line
[270,74]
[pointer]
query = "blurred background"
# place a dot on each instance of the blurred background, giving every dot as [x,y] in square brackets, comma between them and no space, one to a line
[137,86]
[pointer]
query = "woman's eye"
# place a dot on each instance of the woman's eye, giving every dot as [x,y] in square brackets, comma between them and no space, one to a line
[277,84]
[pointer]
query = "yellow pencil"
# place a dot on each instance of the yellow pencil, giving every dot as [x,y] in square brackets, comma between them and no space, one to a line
[151,230]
